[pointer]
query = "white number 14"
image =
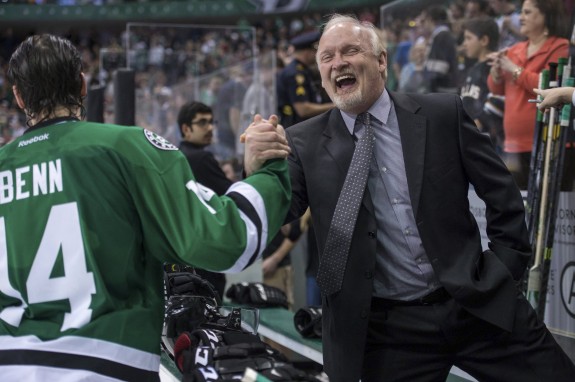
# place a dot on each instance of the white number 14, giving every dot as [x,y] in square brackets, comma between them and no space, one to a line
[77,285]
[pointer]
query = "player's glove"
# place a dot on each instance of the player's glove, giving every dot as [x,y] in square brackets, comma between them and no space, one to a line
[257,294]
[307,321]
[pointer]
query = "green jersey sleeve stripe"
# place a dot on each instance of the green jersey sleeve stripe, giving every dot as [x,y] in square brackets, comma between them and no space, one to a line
[253,213]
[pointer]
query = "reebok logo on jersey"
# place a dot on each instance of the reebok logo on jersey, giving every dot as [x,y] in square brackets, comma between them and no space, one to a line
[37,138]
[158,141]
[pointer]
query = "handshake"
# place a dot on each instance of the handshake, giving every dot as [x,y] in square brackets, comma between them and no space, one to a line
[264,140]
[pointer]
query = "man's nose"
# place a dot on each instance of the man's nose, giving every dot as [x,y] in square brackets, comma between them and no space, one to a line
[338,62]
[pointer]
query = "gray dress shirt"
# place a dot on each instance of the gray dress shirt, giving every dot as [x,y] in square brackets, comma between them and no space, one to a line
[403,271]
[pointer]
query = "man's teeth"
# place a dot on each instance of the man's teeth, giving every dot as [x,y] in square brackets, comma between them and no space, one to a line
[345,77]
[340,79]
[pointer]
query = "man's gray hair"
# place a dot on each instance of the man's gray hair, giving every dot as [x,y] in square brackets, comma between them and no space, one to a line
[377,44]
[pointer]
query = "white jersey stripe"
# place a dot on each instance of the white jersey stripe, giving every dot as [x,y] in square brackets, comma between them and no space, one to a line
[252,240]
[86,347]
[42,374]
[251,247]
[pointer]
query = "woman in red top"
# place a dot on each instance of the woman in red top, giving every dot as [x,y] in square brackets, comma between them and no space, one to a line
[515,72]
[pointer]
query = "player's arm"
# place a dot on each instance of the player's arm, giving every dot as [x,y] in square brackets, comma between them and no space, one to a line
[185,222]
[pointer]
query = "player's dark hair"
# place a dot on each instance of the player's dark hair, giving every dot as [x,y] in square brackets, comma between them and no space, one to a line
[484,26]
[46,71]
[188,112]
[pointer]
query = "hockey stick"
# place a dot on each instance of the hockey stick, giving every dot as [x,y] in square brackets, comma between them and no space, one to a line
[556,178]
[534,182]
[534,280]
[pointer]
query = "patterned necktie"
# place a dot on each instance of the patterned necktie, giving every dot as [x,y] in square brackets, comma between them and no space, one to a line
[334,259]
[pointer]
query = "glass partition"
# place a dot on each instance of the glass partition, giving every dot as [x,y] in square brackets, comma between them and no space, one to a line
[175,64]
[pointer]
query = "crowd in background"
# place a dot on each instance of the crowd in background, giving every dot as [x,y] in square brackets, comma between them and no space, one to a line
[167,58]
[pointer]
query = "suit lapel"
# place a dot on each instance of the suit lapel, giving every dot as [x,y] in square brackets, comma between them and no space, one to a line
[412,128]
[339,145]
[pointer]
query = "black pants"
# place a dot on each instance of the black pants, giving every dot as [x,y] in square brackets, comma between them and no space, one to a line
[422,343]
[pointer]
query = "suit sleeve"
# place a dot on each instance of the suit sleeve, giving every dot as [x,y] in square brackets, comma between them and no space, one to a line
[185,222]
[505,213]
[299,201]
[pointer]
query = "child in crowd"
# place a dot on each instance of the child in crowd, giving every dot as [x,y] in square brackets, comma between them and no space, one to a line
[481,36]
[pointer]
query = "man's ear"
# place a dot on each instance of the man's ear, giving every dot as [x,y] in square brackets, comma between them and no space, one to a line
[19,100]
[185,127]
[84,90]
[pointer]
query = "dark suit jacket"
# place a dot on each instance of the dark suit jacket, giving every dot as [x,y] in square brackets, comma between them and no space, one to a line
[444,153]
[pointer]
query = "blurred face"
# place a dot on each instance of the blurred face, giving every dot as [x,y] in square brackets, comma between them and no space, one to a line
[471,44]
[472,10]
[200,130]
[351,73]
[531,19]
[418,54]
[427,25]
[496,5]
[308,56]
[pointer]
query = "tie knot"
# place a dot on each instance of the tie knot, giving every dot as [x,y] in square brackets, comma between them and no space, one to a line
[363,122]
[364,118]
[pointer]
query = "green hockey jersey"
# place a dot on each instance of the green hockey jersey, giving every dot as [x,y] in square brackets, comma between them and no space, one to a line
[88,215]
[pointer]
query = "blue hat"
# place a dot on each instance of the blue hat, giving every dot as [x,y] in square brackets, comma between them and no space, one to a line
[305,40]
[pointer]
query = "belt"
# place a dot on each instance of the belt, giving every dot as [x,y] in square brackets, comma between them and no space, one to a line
[436,297]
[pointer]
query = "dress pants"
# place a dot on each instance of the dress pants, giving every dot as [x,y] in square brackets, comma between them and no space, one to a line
[421,343]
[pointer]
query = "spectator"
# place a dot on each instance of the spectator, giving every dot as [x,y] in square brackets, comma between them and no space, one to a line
[402,52]
[313,293]
[196,123]
[441,59]
[508,20]
[515,72]
[298,98]
[228,111]
[276,266]
[259,98]
[412,78]
[477,9]
[210,92]
[481,37]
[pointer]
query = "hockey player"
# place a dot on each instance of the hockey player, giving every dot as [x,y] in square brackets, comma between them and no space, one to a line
[88,214]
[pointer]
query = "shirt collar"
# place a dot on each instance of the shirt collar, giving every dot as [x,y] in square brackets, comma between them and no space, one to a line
[438,30]
[48,122]
[380,110]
